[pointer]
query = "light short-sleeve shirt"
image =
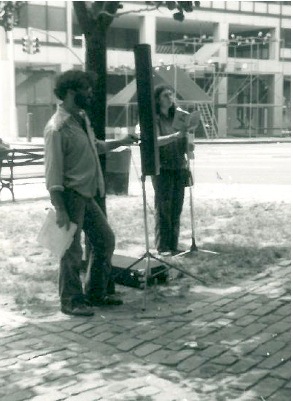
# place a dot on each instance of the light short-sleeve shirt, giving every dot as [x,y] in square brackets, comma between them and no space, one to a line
[71,156]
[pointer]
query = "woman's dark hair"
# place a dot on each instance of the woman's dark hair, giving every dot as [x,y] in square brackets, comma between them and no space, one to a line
[74,80]
[157,92]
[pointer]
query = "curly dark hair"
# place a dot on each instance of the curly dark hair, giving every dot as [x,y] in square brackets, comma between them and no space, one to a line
[74,80]
[157,92]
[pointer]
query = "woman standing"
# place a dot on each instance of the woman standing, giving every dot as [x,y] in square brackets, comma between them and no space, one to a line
[169,185]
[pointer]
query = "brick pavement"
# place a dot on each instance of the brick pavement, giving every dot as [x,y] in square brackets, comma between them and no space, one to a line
[207,345]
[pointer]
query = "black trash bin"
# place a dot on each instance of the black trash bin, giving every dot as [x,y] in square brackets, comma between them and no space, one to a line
[117,171]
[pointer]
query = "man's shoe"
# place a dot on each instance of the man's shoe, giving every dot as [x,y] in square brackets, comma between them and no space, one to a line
[77,310]
[108,300]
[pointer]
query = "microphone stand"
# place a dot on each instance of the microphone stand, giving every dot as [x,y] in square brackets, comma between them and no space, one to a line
[147,256]
[193,248]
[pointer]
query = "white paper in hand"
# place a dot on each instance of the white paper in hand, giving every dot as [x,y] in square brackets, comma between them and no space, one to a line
[54,238]
[183,120]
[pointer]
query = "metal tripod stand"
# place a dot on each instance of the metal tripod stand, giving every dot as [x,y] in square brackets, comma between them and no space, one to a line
[148,255]
[193,248]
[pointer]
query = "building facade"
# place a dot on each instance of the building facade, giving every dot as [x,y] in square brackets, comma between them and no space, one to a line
[239,52]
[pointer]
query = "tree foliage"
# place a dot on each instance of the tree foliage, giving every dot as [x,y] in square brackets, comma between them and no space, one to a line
[9,14]
[180,7]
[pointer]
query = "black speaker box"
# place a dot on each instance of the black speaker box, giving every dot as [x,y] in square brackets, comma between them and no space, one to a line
[134,276]
[146,110]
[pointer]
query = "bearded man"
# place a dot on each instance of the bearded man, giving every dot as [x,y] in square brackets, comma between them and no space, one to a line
[74,178]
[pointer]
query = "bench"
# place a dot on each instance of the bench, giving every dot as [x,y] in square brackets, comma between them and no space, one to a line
[20,164]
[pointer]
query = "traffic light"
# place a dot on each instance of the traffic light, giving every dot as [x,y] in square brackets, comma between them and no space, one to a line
[25,44]
[35,45]
[179,16]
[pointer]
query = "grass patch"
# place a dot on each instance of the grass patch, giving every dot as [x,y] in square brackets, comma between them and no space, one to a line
[248,236]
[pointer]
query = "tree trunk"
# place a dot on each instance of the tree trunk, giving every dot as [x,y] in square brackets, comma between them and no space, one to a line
[96,61]
[94,22]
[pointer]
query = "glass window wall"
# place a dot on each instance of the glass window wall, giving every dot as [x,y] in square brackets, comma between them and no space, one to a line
[43,17]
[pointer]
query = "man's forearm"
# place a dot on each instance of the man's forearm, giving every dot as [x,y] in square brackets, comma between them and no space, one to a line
[112,144]
[106,146]
[57,199]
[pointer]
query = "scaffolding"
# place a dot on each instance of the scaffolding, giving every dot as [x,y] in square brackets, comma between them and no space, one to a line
[206,108]
[246,95]
[249,104]
[189,96]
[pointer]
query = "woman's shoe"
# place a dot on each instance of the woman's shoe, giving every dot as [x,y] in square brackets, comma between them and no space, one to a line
[108,300]
[77,310]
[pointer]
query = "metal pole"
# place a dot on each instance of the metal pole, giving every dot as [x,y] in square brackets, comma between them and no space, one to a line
[127,120]
[12,108]
[250,105]
[250,90]
[29,126]
[214,99]
[282,45]
[147,244]
[257,93]
[83,46]
[193,244]
[174,66]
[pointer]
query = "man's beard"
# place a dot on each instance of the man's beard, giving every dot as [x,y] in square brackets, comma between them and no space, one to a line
[83,102]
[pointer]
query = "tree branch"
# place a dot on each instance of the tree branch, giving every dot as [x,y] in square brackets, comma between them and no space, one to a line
[116,15]
[84,20]
[108,12]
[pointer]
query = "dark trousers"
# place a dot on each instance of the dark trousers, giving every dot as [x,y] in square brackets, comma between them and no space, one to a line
[101,201]
[169,196]
[90,218]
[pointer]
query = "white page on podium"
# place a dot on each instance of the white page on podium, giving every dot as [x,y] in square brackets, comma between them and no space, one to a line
[54,238]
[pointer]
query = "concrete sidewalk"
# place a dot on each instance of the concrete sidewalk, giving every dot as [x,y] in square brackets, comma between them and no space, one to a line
[193,343]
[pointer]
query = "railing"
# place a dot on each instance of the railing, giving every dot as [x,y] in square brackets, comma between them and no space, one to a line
[257,120]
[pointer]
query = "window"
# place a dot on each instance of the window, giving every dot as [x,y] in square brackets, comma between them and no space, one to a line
[219,4]
[32,15]
[76,31]
[232,5]
[164,36]
[274,8]
[56,19]
[260,7]
[286,38]
[246,6]
[124,39]
[42,17]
